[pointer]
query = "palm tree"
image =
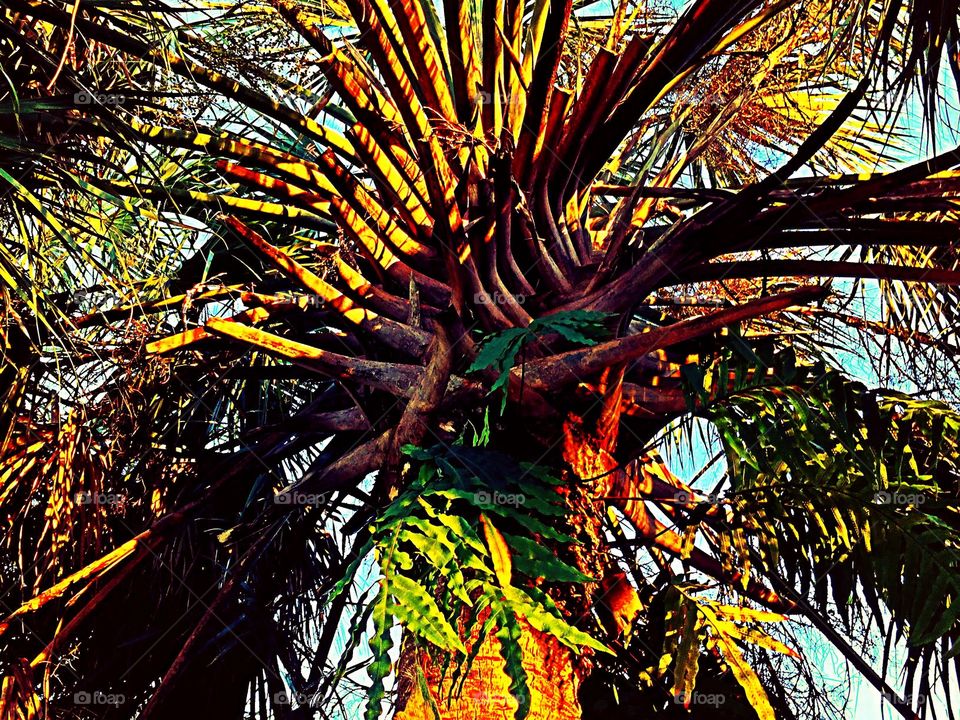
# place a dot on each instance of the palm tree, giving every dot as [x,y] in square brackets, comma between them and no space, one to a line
[393,321]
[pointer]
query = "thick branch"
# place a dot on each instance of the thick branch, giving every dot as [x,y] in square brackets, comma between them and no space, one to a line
[398,379]
[394,334]
[574,366]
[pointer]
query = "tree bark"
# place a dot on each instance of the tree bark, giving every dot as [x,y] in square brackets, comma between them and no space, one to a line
[553,681]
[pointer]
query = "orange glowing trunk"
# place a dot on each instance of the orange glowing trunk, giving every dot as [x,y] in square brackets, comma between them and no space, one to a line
[553,674]
[553,677]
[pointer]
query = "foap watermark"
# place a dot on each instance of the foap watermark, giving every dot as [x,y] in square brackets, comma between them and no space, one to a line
[99,498]
[700,698]
[496,497]
[311,301]
[488,98]
[91,298]
[295,497]
[284,697]
[98,698]
[95,98]
[918,700]
[900,499]
[685,497]
[708,100]
[497,298]
[81,297]
[478,698]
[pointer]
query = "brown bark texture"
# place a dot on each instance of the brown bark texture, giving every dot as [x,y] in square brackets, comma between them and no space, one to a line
[553,680]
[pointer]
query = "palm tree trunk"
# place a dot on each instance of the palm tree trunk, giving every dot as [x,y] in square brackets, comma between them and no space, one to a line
[553,679]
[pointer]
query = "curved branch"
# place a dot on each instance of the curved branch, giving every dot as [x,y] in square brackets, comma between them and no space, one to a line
[411,341]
